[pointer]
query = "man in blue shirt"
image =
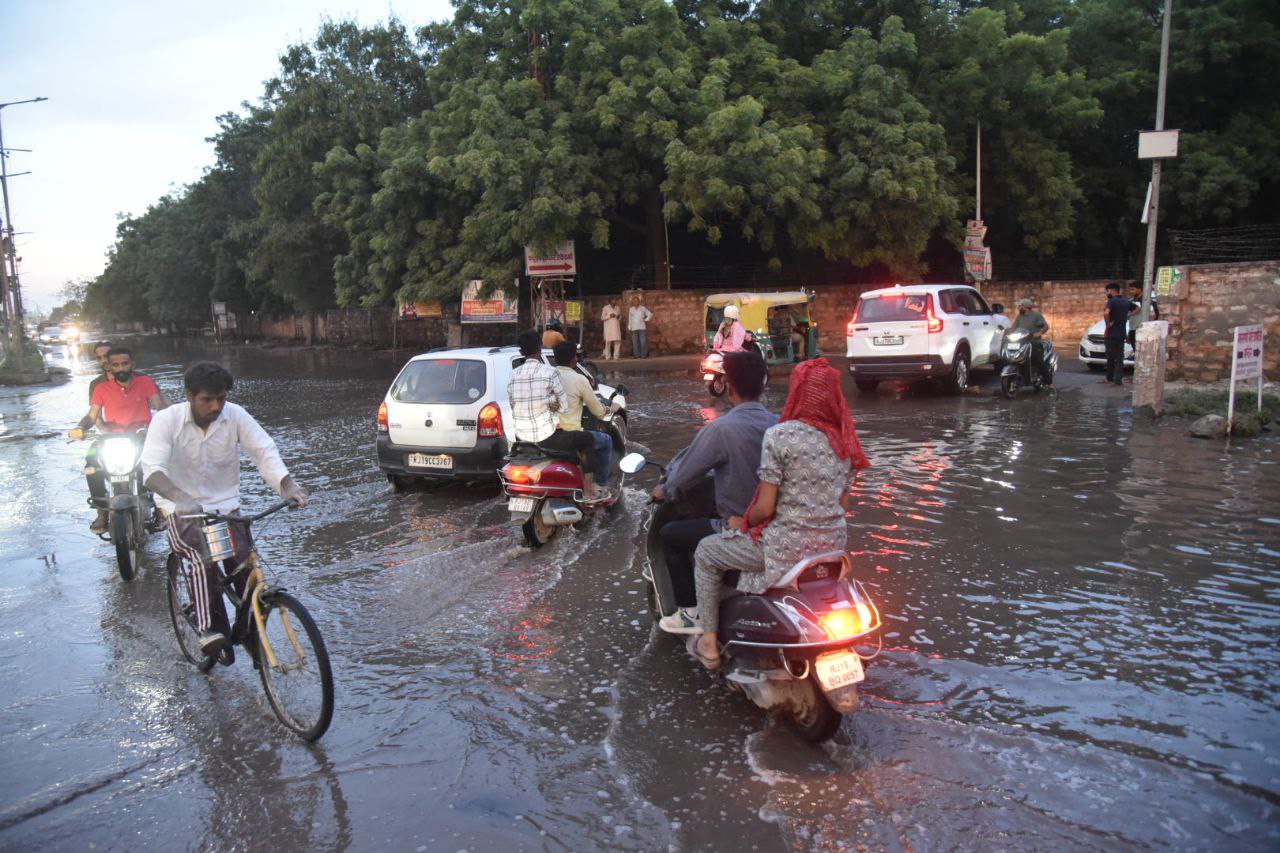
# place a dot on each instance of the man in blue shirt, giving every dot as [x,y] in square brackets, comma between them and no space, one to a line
[1116,313]
[729,447]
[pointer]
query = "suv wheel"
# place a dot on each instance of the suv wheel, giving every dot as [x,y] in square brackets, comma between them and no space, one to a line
[958,381]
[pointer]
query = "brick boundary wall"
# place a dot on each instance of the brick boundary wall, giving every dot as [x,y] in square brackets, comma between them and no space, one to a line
[1217,298]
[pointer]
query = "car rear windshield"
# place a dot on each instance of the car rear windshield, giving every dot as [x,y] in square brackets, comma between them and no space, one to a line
[440,380]
[894,308]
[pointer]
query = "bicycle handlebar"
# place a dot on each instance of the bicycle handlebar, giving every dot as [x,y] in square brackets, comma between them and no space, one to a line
[245,519]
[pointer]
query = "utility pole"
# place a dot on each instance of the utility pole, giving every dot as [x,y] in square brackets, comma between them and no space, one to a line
[1153,210]
[13,290]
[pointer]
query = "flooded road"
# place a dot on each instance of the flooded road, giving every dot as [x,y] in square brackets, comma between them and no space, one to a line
[1080,647]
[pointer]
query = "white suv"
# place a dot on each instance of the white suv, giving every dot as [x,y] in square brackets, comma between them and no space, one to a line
[446,414]
[923,331]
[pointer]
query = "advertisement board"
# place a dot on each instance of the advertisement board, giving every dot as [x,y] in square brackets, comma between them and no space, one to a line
[499,306]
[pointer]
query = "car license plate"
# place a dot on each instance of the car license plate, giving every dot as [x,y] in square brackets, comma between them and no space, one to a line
[707,377]
[426,460]
[839,669]
[520,505]
[887,340]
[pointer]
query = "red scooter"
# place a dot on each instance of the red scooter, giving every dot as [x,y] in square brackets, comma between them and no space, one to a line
[545,488]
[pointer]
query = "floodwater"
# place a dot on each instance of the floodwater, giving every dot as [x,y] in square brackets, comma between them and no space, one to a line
[1080,648]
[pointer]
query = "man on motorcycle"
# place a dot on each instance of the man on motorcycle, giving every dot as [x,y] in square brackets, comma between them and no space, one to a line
[100,350]
[730,336]
[1033,322]
[121,404]
[191,461]
[807,463]
[537,392]
[553,335]
[580,393]
[729,447]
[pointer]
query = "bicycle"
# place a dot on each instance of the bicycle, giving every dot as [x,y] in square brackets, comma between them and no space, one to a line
[293,664]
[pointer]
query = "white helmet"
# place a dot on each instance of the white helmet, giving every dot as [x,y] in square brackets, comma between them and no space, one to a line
[731,312]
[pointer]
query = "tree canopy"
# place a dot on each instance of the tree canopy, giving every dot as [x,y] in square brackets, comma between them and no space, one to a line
[383,162]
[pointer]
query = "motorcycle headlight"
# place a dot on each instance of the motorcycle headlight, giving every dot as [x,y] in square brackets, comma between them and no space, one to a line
[1015,337]
[118,455]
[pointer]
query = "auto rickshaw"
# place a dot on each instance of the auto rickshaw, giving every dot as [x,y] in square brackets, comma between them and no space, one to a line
[782,322]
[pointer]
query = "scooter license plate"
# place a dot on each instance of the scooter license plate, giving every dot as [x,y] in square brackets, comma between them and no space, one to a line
[707,377]
[520,504]
[839,669]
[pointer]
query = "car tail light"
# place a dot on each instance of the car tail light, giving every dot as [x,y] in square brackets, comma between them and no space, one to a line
[935,322]
[849,328]
[382,418]
[490,421]
[524,475]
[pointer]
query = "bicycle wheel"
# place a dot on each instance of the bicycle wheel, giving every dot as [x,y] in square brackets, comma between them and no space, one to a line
[299,685]
[182,611]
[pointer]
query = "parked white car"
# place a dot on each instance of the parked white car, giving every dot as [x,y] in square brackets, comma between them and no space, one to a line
[446,415]
[1093,347]
[923,331]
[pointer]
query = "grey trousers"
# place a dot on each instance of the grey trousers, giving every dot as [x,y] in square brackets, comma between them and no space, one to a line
[723,552]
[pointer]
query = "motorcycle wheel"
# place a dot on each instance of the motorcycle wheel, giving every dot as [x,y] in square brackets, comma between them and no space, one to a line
[126,546]
[821,721]
[1009,385]
[716,386]
[536,531]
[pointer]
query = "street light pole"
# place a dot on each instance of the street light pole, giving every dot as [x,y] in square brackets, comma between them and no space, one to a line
[1153,211]
[13,290]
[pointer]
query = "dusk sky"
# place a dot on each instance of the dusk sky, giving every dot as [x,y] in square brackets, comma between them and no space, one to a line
[134,89]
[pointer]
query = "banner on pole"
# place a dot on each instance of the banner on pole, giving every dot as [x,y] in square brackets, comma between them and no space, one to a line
[499,307]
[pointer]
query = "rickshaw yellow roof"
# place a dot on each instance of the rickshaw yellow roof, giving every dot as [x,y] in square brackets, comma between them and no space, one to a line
[784,297]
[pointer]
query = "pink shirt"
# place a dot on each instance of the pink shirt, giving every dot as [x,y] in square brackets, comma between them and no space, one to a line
[733,343]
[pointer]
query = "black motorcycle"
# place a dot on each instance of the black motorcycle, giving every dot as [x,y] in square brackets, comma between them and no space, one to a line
[791,649]
[1023,367]
[130,506]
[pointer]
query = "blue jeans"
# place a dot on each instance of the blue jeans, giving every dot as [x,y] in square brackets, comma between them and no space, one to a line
[639,343]
[604,449]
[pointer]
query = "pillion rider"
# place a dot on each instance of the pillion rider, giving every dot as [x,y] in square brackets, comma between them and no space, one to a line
[120,403]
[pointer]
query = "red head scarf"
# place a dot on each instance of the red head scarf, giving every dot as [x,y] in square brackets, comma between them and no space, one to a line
[816,399]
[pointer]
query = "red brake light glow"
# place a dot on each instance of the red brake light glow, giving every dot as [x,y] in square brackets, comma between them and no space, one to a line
[382,418]
[523,474]
[490,421]
[935,322]
[844,624]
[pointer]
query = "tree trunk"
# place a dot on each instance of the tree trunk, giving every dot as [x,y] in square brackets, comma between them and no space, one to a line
[310,326]
[656,236]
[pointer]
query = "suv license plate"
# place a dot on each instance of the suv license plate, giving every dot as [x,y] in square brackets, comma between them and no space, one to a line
[520,505]
[839,669]
[425,460]
[887,340]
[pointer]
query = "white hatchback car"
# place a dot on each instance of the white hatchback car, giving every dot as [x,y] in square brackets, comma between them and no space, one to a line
[1093,347]
[923,331]
[446,414]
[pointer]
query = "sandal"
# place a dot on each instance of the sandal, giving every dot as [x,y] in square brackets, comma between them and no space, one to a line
[691,645]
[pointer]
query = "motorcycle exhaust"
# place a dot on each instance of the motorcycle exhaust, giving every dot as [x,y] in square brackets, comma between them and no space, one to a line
[560,512]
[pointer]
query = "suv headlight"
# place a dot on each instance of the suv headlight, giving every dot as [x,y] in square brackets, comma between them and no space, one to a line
[118,455]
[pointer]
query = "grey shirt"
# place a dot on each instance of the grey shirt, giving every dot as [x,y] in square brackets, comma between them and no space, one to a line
[729,446]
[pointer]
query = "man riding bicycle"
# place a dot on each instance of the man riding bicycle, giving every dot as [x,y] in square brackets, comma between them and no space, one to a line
[191,461]
[119,402]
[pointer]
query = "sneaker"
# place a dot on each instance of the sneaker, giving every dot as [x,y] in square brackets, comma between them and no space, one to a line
[683,621]
[211,642]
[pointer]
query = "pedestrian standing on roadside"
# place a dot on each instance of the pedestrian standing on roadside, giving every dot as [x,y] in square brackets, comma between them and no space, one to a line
[1116,314]
[611,315]
[637,323]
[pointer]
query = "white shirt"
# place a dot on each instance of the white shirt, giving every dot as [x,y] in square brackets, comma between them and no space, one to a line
[206,463]
[637,316]
[531,387]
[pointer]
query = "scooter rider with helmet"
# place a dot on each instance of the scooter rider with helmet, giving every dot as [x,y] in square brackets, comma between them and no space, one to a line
[1033,322]
[730,337]
[729,448]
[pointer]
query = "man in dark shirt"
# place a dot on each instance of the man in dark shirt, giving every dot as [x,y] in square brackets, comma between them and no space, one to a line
[729,446]
[100,350]
[1116,314]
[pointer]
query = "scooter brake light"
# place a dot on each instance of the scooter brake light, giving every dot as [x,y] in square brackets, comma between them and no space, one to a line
[525,475]
[843,624]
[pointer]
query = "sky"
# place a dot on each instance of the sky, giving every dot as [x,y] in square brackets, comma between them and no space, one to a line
[134,89]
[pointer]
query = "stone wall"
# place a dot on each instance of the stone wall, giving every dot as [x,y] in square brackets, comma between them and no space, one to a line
[1218,298]
[1070,307]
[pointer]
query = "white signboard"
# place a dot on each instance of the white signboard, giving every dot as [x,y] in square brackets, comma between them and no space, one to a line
[1157,144]
[1248,352]
[561,262]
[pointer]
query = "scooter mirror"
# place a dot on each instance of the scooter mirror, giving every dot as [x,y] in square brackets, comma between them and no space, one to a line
[623,389]
[631,463]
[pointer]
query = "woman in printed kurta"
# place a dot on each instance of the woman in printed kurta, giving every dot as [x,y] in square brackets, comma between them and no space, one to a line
[807,464]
